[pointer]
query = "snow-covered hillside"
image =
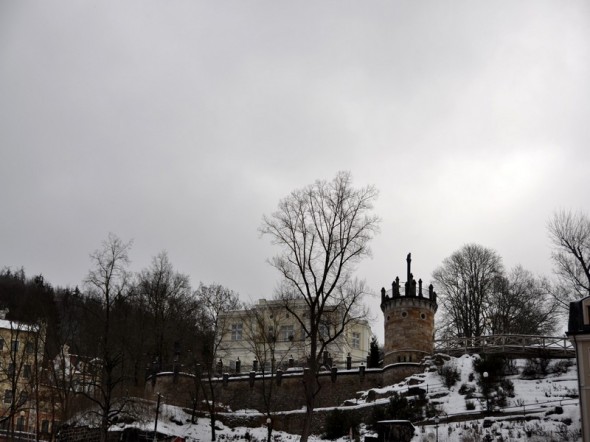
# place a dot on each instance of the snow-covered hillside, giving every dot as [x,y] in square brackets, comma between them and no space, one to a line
[541,409]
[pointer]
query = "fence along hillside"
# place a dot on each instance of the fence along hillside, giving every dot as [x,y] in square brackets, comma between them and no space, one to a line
[514,346]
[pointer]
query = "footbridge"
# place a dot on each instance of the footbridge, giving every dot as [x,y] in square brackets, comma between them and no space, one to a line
[515,346]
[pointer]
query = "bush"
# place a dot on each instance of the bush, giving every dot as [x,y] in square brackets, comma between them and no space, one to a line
[338,424]
[561,366]
[449,373]
[535,368]
[467,390]
[400,408]
[507,387]
[469,405]
[493,365]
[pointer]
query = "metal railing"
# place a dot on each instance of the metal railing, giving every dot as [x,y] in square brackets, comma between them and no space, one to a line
[515,345]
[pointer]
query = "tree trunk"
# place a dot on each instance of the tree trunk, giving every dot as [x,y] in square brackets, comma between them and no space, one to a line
[104,428]
[212,414]
[310,381]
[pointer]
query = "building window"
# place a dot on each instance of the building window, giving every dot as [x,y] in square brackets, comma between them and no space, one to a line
[356,340]
[20,423]
[45,426]
[11,369]
[27,371]
[29,348]
[1,344]
[14,346]
[287,332]
[236,332]
[7,396]
[422,316]
[404,314]
[270,336]
[324,331]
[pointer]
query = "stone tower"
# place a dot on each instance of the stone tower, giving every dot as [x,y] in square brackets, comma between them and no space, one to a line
[409,320]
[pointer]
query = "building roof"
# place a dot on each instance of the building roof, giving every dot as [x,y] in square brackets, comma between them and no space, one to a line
[20,326]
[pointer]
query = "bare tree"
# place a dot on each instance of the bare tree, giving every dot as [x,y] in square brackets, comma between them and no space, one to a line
[108,282]
[216,301]
[324,230]
[467,280]
[570,234]
[272,341]
[521,304]
[165,293]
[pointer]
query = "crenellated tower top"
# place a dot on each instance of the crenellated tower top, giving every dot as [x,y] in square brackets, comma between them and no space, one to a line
[408,319]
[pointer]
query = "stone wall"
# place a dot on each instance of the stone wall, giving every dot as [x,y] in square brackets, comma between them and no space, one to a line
[409,328]
[247,393]
[82,434]
[292,421]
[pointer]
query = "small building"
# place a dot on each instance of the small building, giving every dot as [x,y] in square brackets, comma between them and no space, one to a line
[21,356]
[579,333]
[267,332]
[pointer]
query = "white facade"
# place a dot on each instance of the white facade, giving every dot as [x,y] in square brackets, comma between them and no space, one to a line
[269,332]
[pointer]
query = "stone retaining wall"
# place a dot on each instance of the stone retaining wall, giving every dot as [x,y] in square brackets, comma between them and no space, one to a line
[247,392]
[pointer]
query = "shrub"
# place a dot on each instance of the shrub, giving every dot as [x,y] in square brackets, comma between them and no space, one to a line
[535,368]
[469,405]
[493,365]
[449,373]
[510,367]
[507,387]
[400,408]
[467,390]
[561,367]
[338,424]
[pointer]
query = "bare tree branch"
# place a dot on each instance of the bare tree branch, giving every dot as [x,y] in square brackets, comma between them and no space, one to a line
[324,230]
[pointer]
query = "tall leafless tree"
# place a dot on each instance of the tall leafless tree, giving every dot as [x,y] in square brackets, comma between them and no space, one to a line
[466,281]
[216,301]
[271,342]
[324,230]
[108,282]
[570,234]
[164,293]
[521,304]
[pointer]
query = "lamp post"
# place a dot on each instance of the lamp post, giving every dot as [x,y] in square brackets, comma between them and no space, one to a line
[268,427]
[436,421]
[486,391]
[156,423]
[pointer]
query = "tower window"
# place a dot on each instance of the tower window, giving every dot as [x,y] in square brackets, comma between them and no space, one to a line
[422,316]
[404,314]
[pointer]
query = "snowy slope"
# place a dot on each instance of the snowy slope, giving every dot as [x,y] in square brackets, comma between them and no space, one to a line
[530,415]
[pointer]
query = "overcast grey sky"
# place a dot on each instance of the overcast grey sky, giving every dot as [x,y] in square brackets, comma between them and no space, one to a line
[179,124]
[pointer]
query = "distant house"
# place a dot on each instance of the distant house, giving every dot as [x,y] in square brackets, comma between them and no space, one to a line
[76,374]
[251,339]
[21,355]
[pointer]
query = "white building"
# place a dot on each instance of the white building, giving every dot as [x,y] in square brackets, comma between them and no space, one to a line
[268,332]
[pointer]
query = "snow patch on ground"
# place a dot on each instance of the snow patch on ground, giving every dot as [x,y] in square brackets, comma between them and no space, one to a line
[530,415]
